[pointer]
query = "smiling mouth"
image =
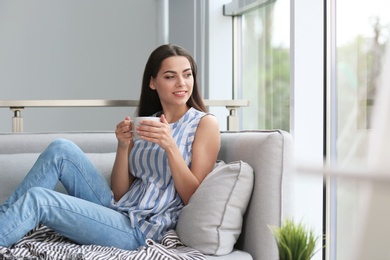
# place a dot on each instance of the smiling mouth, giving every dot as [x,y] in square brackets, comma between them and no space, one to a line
[180,93]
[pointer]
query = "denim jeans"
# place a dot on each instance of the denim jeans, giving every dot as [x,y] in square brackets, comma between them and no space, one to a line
[83,216]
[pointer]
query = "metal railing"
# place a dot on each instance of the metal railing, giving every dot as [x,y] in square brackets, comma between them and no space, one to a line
[17,106]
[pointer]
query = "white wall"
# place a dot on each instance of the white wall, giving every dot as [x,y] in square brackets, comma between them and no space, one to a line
[219,62]
[91,49]
[96,49]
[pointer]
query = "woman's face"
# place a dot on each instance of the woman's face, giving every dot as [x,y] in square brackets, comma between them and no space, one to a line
[174,81]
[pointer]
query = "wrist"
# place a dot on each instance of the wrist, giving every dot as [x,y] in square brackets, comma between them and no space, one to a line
[124,145]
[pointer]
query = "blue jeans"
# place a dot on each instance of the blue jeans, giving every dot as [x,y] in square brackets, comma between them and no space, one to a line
[83,216]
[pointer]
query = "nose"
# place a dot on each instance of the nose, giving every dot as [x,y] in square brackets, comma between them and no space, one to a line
[180,81]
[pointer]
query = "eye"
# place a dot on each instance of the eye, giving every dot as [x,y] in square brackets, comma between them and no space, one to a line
[169,77]
[188,75]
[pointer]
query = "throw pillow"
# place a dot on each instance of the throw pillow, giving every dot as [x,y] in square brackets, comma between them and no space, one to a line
[212,220]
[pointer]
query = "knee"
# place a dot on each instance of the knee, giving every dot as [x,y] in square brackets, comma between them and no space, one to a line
[61,142]
[63,145]
[40,201]
[36,194]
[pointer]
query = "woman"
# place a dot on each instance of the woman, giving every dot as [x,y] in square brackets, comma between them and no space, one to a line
[151,180]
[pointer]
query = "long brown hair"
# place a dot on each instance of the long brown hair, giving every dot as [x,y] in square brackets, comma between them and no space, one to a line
[149,102]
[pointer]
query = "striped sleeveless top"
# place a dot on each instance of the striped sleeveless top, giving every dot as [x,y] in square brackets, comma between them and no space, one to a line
[152,202]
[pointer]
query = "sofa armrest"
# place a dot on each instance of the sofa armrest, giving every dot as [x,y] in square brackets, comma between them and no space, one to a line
[270,153]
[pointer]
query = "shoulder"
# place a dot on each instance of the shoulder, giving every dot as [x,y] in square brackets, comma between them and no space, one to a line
[202,121]
[209,120]
[207,138]
[208,127]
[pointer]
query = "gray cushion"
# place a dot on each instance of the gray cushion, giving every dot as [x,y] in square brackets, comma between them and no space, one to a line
[212,220]
[13,169]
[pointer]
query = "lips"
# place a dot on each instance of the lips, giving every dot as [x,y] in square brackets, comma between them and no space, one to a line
[180,93]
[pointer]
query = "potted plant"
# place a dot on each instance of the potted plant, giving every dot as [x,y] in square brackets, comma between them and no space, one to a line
[294,241]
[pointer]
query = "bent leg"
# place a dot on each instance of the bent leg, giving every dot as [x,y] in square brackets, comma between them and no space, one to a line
[79,220]
[64,161]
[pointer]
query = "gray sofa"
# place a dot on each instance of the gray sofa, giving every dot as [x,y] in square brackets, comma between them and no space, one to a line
[268,152]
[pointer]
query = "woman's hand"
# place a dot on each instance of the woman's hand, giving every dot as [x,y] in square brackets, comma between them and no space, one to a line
[156,132]
[124,133]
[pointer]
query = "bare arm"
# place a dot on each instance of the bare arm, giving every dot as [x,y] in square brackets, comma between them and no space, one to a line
[121,178]
[204,154]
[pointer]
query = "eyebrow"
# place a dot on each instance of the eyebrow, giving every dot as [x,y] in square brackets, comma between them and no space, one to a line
[174,72]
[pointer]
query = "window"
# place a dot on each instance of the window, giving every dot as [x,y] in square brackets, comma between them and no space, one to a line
[263,69]
[263,61]
[359,46]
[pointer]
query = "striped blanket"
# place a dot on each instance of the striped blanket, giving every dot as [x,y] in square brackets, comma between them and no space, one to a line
[44,243]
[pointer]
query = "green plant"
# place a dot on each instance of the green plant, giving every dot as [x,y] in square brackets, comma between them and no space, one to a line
[294,241]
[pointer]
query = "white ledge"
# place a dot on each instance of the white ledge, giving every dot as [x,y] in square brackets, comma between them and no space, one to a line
[104,103]
[372,174]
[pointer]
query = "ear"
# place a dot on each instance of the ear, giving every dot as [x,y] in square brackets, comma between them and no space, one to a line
[151,83]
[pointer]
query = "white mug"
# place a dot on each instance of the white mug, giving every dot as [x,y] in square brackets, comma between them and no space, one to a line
[136,122]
